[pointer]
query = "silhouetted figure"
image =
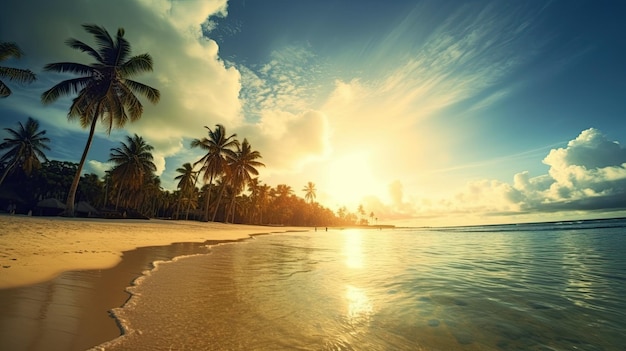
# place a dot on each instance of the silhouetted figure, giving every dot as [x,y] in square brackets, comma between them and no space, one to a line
[11,208]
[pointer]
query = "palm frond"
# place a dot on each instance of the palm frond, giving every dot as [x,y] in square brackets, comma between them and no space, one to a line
[17,74]
[9,49]
[79,45]
[129,101]
[64,88]
[4,90]
[122,48]
[104,41]
[137,64]
[153,95]
[69,67]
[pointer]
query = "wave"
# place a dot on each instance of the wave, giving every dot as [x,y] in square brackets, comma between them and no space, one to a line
[538,226]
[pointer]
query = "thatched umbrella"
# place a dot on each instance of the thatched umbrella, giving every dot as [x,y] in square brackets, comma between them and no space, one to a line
[10,195]
[51,203]
[49,207]
[84,208]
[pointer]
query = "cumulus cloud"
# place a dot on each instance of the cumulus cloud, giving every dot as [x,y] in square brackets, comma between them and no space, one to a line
[98,167]
[590,167]
[196,87]
[287,141]
[588,174]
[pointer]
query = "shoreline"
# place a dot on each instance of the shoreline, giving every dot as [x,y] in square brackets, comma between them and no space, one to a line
[37,249]
[72,308]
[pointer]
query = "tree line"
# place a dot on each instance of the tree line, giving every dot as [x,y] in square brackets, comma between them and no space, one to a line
[229,191]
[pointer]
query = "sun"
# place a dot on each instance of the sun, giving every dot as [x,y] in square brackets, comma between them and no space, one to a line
[350,178]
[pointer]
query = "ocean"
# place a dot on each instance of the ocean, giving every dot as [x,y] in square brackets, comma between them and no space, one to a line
[551,286]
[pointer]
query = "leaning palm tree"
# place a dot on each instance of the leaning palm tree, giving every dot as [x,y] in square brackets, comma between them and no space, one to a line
[105,90]
[133,163]
[186,183]
[242,167]
[309,192]
[8,50]
[219,149]
[25,146]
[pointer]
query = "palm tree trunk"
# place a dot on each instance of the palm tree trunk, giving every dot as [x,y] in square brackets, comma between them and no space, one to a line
[119,192]
[208,199]
[219,198]
[69,205]
[192,191]
[9,168]
[180,199]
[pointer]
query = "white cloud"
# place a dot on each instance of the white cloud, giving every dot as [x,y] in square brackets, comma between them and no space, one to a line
[589,174]
[288,141]
[196,87]
[97,167]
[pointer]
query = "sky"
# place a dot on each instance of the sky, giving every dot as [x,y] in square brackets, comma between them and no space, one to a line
[437,112]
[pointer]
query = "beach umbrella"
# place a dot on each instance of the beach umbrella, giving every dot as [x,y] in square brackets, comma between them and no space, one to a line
[51,203]
[7,194]
[85,207]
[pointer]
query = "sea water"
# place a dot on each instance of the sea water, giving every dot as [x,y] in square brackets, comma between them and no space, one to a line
[558,286]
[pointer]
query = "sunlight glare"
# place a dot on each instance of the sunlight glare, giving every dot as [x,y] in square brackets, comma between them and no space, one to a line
[352,249]
[359,306]
[350,178]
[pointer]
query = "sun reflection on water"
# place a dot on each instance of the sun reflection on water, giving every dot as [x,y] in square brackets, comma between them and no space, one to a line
[359,306]
[352,249]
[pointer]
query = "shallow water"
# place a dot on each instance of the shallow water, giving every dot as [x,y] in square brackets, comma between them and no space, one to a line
[526,287]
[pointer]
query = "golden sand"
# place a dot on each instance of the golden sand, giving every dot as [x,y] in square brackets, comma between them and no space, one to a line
[36,249]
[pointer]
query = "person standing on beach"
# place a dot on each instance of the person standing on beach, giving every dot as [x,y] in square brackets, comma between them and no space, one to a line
[11,208]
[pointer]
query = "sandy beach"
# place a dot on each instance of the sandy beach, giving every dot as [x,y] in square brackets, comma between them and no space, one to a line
[59,277]
[36,249]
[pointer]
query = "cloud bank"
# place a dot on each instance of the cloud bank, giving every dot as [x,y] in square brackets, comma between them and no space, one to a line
[586,176]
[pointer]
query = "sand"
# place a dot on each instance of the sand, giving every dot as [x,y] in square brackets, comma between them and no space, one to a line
[60,277]
[36,249]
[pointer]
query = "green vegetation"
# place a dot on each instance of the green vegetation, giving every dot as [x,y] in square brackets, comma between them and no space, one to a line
[8,50]
[24,148]
[105,90]
[231,190]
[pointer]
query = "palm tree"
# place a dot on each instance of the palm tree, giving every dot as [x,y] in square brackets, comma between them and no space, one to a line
[242,167]
[25,146]
[8,50]
[219,150]
[283,193]
[151,192]
[105,90]
[186,183]
[309,191]
[133,163]
[263,194]
[361,211]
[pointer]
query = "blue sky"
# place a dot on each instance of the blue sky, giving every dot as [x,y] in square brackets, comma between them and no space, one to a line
[424,112]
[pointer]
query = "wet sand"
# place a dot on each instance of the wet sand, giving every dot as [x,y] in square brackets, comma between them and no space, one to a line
[60,277]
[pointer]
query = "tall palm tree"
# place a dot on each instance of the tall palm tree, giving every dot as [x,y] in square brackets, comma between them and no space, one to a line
[263,195]
[8,50]
[309,192]
[133,163]
[25,146]
[186,183]
[219,150]
[283,193]
[105,90]
[242,167]
[361,211]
